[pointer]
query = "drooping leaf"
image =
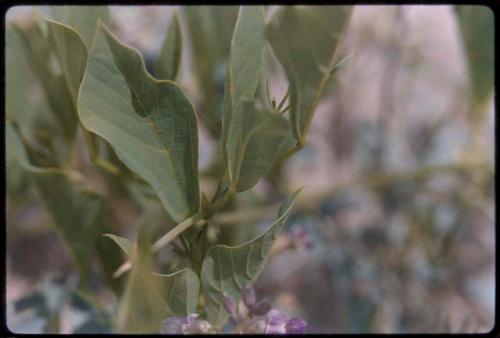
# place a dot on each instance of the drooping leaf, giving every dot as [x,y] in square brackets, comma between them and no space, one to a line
[305,40]
[209,30]
[230,269]
[151,124]
[168,63]
[76,212]
[180,291]
[477,26]
[250,138]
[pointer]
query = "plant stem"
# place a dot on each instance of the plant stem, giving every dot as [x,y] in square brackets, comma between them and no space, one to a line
[172,234]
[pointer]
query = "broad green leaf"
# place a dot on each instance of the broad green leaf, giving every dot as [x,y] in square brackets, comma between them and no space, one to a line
[124,244]
[141,307]
[240,121]
[230,269]
[82,19]
[210,29]
[180,291]
[305,40]
[167,65]
[151,124]
[76,212]
[477,26]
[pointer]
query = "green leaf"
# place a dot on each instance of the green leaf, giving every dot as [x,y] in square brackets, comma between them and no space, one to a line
[71,31]
[209,29]
[180,291]
[124,244]
[305,40]
[262,135]
[40,55]
[17,107]
[71,54]
[230,269]
[82,19]
[250,138]
[151,124]
[142,307]
[77,213]
[167,64]
[477,26]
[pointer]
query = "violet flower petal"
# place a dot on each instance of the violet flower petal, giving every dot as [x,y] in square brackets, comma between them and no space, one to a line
[296,325]
[276,322]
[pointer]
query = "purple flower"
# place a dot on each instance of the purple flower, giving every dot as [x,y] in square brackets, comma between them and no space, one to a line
[185,325]
[277,323]
[296,325]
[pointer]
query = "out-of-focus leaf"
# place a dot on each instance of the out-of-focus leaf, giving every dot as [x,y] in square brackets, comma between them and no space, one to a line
[77,213]
[167,64]
[40,55]
[83,19]
[17,107]
[250,138]
[151,124]
[210,29]
[180,291]
[124,244]
[230,269]
[142,307]
[477,26]
[71,31]
[305,40]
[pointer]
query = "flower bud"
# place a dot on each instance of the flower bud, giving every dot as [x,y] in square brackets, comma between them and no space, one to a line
[229,304]
[249,297]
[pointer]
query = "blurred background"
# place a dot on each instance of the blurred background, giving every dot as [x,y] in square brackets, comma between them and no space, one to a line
[398,171]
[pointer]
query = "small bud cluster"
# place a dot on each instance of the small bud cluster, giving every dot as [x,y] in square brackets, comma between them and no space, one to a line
[185,325]
[251,316]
